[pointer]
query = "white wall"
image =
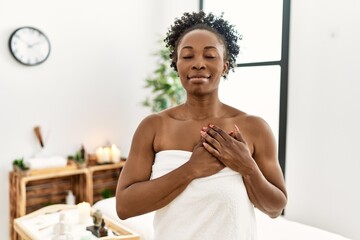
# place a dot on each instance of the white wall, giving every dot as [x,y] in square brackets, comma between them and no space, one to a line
[90,89]
[323,160]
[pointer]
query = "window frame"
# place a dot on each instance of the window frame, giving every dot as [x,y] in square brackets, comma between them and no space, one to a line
[284,69]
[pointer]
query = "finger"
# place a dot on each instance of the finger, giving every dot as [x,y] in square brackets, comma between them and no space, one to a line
[232,134]
[211,150]
[217,132]
[238,134]
[210,139]
[199,143]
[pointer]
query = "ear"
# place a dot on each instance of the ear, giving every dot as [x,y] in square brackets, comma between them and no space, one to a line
[225,68]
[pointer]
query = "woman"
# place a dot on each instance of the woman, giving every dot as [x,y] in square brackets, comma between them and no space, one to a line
[202,165]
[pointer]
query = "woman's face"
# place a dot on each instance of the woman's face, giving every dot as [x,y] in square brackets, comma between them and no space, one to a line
[200,61]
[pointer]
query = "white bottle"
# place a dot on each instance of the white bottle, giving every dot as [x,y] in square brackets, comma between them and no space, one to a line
[70,198]
[62,235]
[62,229]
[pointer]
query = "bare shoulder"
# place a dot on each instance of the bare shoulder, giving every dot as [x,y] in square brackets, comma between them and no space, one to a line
[146,130]
[247,122]
[151,119]
[254,129]
[256,125]
[151,122]
[151,126]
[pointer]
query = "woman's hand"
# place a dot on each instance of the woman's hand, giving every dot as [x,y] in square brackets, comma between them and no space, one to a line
[263,178]
[229,148]
[203,163]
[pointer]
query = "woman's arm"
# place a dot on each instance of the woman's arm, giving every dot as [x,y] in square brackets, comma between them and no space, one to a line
[136,194]
[261,171]
[265,183]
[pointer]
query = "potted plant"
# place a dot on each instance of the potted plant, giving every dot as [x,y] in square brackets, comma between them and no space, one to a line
[165,84]
[19,165]
[79,158]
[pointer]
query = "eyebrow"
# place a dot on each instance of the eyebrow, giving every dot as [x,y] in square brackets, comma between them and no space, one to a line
[207,47]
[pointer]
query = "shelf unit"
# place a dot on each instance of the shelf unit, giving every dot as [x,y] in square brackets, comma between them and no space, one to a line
[30,191]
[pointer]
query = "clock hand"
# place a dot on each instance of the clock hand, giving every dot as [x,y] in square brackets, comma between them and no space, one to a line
[22,40]
[34,44]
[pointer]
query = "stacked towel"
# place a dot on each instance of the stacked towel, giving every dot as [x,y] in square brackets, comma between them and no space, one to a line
[46,162]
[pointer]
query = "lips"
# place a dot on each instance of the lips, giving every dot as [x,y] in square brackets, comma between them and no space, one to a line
[198,78]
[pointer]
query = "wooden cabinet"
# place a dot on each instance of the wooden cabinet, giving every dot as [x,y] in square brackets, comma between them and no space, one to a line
[34,190]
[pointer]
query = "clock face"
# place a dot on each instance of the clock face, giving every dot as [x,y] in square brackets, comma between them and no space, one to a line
[29,46]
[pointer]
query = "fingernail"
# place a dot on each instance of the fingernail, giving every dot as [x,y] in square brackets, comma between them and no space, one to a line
[202,133]
[204,129]
[236,127]
[211,125]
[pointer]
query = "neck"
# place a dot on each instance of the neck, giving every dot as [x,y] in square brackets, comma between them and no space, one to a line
[201,108]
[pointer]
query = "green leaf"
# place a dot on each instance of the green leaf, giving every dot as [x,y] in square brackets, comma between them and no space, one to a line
[164,83]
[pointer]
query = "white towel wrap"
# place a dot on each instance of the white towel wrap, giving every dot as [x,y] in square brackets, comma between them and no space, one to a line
[214,207]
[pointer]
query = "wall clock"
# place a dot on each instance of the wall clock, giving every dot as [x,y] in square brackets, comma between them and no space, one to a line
[29,46]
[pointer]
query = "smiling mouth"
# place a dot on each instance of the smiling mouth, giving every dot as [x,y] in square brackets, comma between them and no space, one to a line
[198,78]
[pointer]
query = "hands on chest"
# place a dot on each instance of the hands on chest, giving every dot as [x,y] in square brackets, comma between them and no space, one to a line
[229,148]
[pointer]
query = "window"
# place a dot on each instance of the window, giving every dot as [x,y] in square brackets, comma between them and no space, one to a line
[259,84]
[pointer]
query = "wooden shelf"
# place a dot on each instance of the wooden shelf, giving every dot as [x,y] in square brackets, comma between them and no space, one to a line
[36,189]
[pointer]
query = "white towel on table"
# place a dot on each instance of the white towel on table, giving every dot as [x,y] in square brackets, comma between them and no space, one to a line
[214,207]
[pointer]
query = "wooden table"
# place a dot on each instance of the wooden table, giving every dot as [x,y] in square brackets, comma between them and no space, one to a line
[24,227]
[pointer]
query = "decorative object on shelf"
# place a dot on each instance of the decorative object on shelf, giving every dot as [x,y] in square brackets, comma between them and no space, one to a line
[107,193]
[108,154]
[79,158]
[84,212]
[103,232]
[29,46]
[98,229]
[165,84]
[70,198]
[91,159]
[46,162]
[115,153]
[97,216]
[19,165]
[62,229]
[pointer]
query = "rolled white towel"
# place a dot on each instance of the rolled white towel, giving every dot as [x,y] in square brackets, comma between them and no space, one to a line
[46,162]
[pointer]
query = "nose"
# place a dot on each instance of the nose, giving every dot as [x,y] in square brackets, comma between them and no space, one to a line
[198,64]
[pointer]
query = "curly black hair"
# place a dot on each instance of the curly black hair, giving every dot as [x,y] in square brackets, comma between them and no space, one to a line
[199,20]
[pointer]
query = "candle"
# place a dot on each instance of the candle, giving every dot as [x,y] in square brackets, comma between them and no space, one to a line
[115,153]
[106,155]
[84,212]
[100,155]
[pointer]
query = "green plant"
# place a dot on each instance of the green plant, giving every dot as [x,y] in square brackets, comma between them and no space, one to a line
[79,156]
[20,164]
[167,90]
[107,193]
